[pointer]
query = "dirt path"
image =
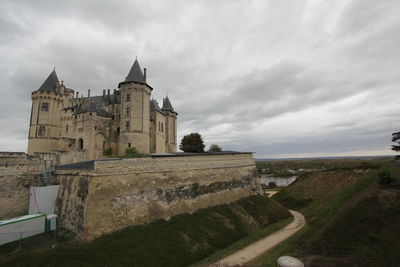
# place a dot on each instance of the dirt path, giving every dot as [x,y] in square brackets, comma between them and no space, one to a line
[256,249]
[271,193]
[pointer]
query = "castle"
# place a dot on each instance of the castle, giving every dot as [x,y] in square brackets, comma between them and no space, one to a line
[83,128]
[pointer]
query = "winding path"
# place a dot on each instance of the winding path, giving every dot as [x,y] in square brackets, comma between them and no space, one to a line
[257,248]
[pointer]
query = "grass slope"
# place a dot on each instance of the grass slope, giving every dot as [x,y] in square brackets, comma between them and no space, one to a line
[182,240]
[352,219]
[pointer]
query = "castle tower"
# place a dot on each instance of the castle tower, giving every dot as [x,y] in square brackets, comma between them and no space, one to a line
[44,127]
[135,111]
[170,125]
[157,133]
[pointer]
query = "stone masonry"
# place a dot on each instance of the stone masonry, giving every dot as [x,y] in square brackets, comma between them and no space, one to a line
[100,197]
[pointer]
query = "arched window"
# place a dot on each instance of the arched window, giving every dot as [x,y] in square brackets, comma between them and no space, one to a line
[80,143]
[127,125]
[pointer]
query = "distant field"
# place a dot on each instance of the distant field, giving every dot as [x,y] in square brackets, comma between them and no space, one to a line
[290,167]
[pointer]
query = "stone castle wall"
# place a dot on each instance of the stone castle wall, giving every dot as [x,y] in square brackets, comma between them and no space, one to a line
[17,170]
[100,197]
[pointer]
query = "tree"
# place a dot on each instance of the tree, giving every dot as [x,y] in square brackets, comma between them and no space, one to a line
[192,143]
[215,148]
[396,139]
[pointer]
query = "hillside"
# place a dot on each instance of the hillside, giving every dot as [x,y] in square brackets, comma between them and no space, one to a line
[353,218]
[182,240]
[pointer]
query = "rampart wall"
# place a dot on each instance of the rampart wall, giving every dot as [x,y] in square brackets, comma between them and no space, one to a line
[17,170]
[100,197]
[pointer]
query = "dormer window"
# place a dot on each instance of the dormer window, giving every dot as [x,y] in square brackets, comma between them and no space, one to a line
[45,107]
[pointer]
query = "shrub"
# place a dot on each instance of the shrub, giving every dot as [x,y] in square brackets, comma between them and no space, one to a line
[272,185]
[108,152]
[385,177]
[131,152]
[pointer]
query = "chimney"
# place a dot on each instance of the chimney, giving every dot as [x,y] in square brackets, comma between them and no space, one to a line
[145,74]
[108,91]
[88,93]
[77,95]
[115,91]
[104,93]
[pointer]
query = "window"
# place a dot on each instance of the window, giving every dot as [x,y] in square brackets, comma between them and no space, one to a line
[127,125]
[80,143]
[162,127]
[128,97]
[42,131]
[66,129]
[118,131]
[129,144]
[159,126]
[127,111]
[45,107]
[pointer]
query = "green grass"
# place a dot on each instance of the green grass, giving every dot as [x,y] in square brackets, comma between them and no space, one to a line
[182,240]
[346,226]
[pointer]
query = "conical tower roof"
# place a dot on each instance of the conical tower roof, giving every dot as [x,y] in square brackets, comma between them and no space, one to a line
[135,74]
[154,106]
[167,105]
[51,83]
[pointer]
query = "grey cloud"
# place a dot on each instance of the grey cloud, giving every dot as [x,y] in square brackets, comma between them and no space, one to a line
[230,67]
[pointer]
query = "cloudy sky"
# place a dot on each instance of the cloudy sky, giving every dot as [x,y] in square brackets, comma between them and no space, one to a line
[282,78]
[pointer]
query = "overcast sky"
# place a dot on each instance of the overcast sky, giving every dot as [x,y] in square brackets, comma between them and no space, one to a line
[282,78]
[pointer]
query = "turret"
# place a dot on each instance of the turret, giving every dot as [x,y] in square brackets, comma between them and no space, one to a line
[170,125]
[44,128]
[135,111]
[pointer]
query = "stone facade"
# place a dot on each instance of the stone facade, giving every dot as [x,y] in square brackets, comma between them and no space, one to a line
[81,128]
[105,196]
[17,171]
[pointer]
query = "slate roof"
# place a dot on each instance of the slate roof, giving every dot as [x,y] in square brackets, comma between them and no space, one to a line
[135,74]
[51,83]
[154,106]
[167,105]
[91,107]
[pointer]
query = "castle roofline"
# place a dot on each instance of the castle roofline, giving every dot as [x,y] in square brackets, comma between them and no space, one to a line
[51,83]
[154,106]
[136,75]
[167,106]
[124,82]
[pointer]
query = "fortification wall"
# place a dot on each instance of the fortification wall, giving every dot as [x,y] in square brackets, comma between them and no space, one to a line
[112,195]
[16,172]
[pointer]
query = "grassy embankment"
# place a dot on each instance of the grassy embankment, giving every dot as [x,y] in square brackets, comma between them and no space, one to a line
[352,218]
[182,240]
